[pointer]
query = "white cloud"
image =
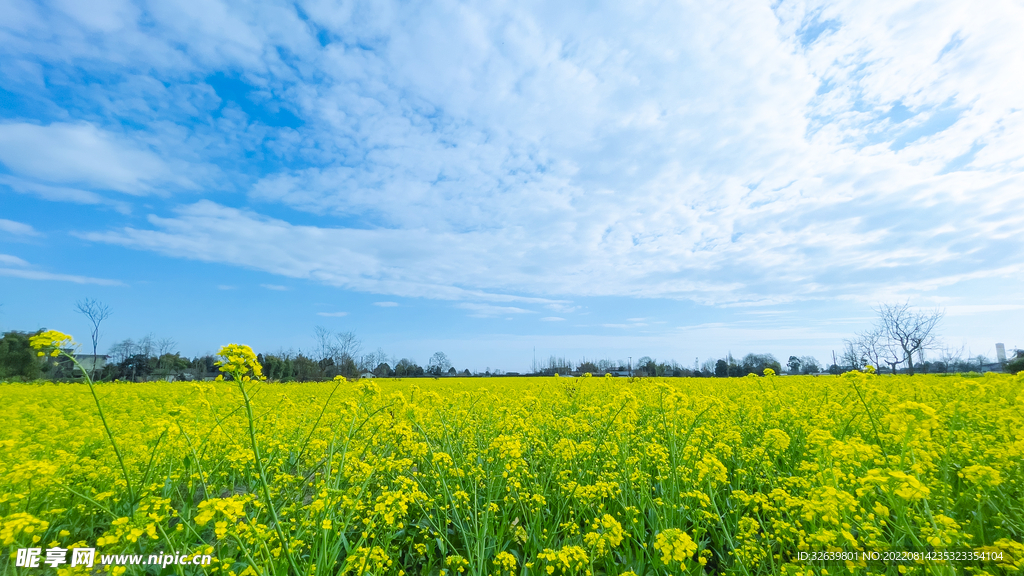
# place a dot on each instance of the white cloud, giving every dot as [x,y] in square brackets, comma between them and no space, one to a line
[720,152]
[389,261]
[275,287]
[18,228]
[62,193]
[332,314]
[25,270]
[8,260]
[974,309]
[551,319]
[631,323]
[82,154]
[386,304]
[489,310]
[41,275]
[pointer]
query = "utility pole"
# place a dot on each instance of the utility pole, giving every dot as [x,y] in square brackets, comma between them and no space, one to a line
[630,366]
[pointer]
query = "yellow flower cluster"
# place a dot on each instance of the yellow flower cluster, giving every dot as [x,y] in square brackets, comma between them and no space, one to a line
[607,534]
[676,546]
[240,361]
[981,475]
[373,560]
[567,560]
[504,563]
[51,342]
[503,476]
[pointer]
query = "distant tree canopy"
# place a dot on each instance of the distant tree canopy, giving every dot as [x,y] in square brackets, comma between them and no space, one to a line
[898,340]
[406,368]
[721,368]
[136,366]
[803,365]
[383,370]
[276,368]
[899,333]
[438,364]
[1016,364]
[17,359]
[757,363]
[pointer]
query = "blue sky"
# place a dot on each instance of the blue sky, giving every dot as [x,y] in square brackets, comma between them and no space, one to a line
[486,179]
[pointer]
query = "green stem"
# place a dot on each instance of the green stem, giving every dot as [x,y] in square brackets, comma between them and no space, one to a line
[103,418]
[285,541]
[874,425]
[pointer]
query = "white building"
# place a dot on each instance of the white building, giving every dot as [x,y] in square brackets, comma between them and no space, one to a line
[91,363]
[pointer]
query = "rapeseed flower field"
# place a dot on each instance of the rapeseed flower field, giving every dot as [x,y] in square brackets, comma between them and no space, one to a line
[501,476]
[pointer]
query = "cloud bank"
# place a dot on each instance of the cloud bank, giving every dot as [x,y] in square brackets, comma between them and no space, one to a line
[730,154]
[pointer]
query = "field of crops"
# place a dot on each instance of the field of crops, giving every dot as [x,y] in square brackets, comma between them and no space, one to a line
[593,475]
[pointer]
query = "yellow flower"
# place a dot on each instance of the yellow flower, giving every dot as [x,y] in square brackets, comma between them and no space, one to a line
[711,469]
[240,362]
[775,441]
[981,475]
[51,341]
[504,562]
[675,546]
[607,534]
[568,560]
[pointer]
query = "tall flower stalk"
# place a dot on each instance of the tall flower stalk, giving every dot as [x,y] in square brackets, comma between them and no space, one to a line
[56,344]
[241,364]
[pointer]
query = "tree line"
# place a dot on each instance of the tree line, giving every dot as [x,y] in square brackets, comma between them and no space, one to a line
[149,357]
[899,338]
[896,342]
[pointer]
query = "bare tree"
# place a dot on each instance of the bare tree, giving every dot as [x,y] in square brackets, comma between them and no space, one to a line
[324,345]
[708,367]
[951,358]
[439,364]
[869,346]
[145,345]
[122,350]
[96,312]
[346,346]
[908,331]
[891,354]
[371,360]
[850,357]
[164,346]
[338,346]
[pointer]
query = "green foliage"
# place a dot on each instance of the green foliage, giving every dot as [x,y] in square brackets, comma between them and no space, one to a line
[17,359]
[406,367]
[277,368]
[1016,365]
[136,366]
[383,370]
[172,362]
[757,363]
[721,368]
